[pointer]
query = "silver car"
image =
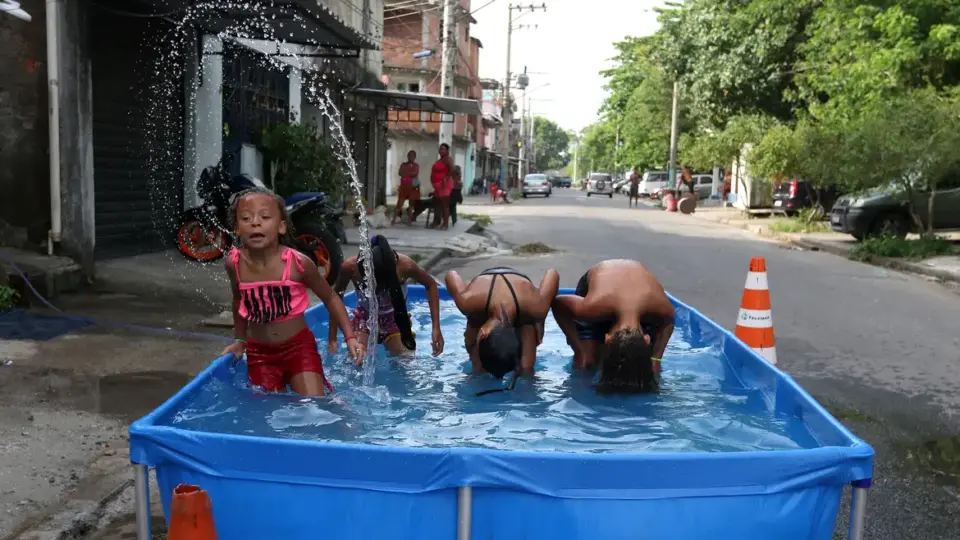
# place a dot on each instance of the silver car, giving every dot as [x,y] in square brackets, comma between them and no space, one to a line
[601,184]
[536,184]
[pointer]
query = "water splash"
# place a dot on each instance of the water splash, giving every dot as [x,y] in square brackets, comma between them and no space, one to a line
[254,21]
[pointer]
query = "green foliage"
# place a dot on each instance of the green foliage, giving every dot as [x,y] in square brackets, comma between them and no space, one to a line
[901,248]
[8,298]
[301,160]
[552,143]
[850,93]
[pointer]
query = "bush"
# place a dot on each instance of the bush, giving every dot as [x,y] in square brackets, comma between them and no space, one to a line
[901,248]
[8,298]
[303,161]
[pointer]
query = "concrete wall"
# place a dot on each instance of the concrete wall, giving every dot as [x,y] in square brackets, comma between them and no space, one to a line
[76,136]
[24,165]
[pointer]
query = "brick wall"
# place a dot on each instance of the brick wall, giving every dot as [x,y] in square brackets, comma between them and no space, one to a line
[24,170]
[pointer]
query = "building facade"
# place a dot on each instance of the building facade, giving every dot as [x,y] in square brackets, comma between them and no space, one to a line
[412,63]
[148,95]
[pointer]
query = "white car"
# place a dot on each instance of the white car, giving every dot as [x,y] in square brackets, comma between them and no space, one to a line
[601,184]
[653,183]
[536,184]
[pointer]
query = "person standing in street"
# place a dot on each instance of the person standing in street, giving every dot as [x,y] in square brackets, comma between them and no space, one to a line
[456,196]
[409,186]
[634,188]
[442,188]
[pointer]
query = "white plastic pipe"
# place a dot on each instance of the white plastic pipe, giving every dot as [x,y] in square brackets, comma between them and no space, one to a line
[53,96]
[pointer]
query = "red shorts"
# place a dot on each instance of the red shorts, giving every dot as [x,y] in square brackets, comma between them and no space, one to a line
[272,365]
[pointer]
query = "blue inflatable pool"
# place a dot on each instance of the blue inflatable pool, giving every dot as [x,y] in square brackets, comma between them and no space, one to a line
[291,489]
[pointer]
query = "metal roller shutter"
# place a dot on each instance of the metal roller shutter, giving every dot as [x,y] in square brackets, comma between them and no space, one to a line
[137,151]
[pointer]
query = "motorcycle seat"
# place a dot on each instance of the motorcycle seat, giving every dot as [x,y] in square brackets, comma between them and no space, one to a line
[302,196]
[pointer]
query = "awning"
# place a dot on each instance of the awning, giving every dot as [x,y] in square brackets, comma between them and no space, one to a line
[291,21]
[423,103]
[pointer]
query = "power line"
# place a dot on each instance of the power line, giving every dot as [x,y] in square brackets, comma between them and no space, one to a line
[483,6]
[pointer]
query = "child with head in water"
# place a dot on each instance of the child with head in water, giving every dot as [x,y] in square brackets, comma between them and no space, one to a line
[391,270]
[270,282]
[620,320]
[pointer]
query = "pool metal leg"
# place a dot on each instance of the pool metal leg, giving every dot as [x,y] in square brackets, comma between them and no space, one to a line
[858,512]
[464,512]
[141,486]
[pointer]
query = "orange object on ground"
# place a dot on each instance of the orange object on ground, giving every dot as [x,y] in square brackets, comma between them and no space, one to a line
[755,321]
[191,515]
[670,201]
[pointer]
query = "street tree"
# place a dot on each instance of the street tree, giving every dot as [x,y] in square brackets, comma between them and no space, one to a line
[552,145]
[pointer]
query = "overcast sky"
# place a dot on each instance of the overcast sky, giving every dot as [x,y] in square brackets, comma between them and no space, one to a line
[572,44]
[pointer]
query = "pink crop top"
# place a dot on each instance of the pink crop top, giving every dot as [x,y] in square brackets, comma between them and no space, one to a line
[263,302]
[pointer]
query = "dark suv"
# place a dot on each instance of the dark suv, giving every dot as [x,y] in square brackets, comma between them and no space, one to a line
[795,195]
[884,210]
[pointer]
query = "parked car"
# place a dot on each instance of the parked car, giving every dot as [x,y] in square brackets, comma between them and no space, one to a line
[703,184]
[652,183]
[796,195]
[884,210]
[536,184]
[600,184]
[562,182]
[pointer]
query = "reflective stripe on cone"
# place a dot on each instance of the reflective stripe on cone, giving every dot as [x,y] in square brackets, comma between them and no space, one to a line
[755,319]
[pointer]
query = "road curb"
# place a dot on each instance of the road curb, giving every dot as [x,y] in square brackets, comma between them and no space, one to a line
[814,245]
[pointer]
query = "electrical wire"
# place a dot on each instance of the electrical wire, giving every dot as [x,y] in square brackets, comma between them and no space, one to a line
[483,6]
[134,15]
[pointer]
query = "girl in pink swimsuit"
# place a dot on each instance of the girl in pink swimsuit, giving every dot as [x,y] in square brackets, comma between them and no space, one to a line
[270,283]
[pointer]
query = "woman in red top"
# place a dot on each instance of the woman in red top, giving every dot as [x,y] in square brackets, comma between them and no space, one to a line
[442,187]
[409,186]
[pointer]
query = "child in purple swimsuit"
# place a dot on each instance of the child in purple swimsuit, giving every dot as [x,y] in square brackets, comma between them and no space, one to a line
[394,330]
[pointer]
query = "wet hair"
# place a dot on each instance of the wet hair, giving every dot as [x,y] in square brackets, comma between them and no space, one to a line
[500,351]
[626,365]
[385,272]
[285,239]
[445,145]
[414,152]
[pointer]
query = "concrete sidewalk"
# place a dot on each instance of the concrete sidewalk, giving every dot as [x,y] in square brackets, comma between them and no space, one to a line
[945,268]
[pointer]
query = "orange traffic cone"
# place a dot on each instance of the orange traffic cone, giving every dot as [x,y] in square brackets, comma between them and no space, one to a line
[191,515]
[755,321]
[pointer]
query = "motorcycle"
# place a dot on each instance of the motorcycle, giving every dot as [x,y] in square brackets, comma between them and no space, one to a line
[316,225]
[477,187]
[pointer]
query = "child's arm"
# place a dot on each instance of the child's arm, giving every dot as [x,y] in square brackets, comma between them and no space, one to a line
[343,279]
[239,323]
[548,291]
[415,271]
[338,312]
[457,289]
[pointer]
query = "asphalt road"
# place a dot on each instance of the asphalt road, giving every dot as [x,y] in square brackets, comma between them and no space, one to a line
[878,348]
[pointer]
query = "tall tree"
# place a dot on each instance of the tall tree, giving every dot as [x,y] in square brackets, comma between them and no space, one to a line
[735,57]
[552,144]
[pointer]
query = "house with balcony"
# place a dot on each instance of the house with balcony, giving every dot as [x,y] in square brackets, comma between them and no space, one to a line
[412,61]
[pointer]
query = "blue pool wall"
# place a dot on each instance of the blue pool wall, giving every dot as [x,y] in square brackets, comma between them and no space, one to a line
[295,489]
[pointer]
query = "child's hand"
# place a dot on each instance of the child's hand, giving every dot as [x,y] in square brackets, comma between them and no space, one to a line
[333,347]
[236,349]
[437,342]
[356,350]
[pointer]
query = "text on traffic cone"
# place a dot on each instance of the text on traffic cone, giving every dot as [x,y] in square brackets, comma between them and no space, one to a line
[191,515]
[755,320]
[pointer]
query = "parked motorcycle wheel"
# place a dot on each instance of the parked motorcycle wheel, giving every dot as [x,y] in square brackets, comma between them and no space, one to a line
[197,242]
[318,242]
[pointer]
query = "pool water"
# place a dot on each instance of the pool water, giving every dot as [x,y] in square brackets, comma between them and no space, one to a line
[422,401]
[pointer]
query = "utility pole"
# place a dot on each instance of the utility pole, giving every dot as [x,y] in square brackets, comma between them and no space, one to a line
[524,155]
[674,133]
[576,159]
[448,71]
[507,103]
[533,139]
